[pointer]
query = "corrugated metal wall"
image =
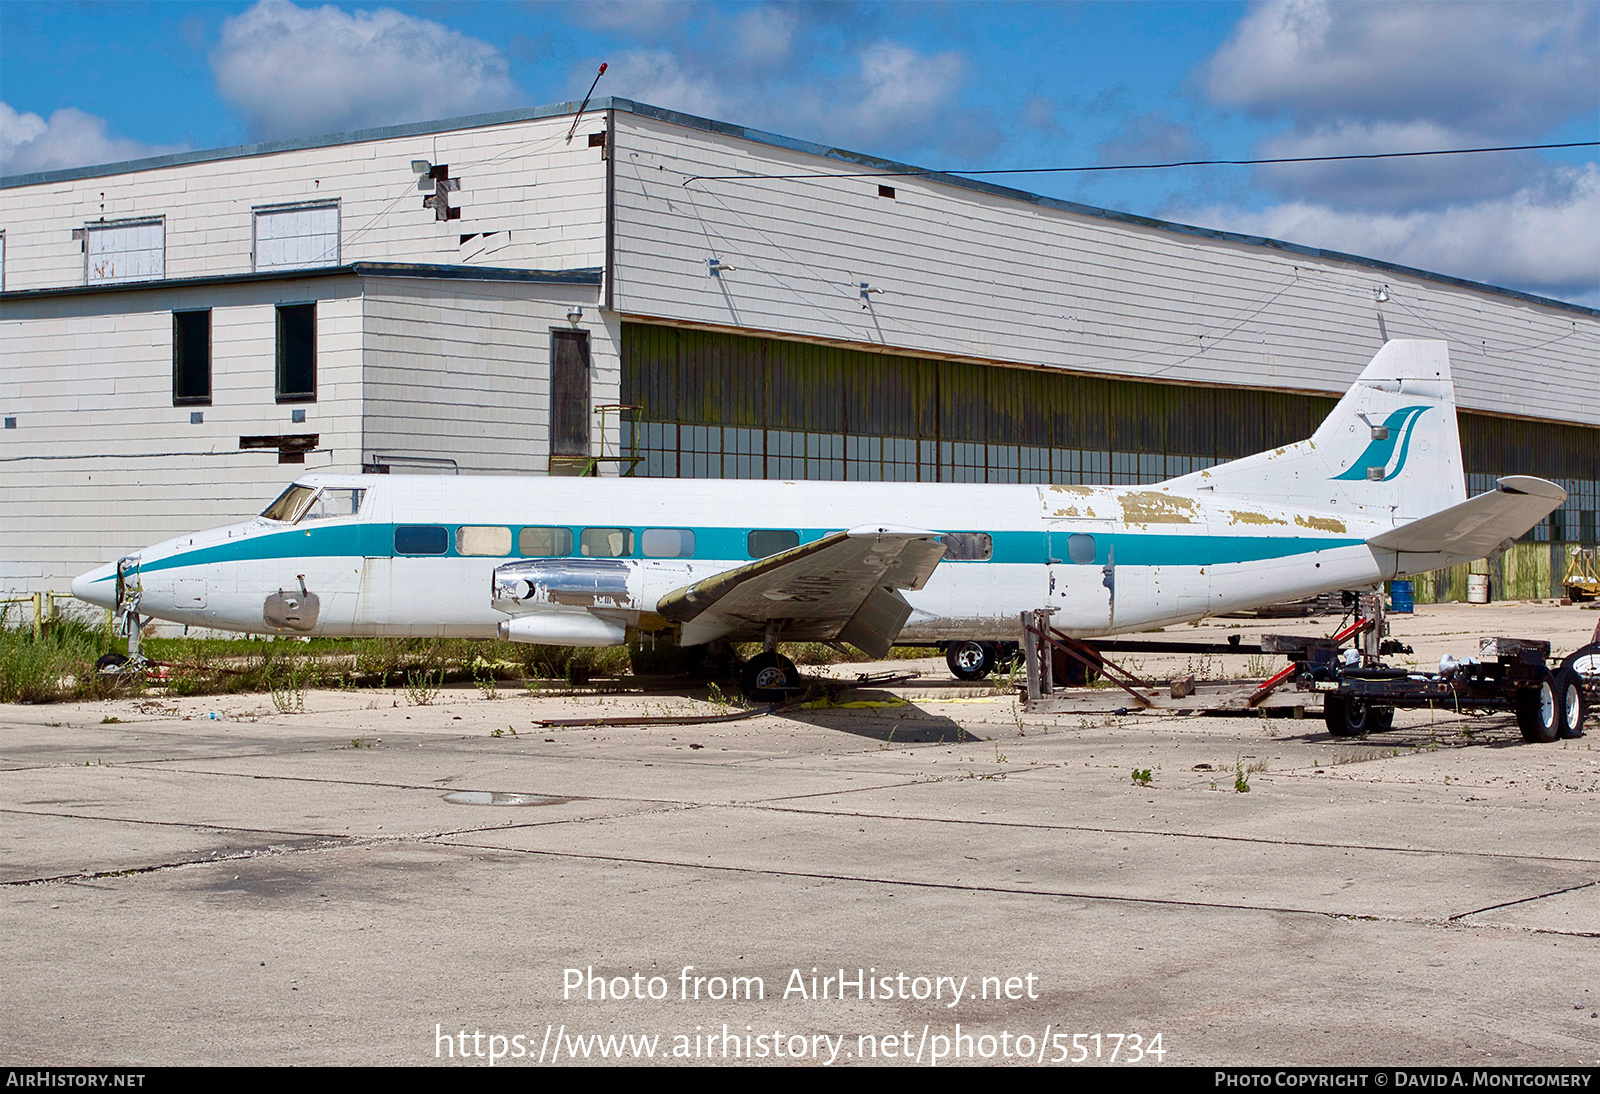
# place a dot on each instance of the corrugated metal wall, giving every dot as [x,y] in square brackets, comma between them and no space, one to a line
[988,423]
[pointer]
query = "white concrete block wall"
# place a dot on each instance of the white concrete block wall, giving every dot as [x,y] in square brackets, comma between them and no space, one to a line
[980,276]
[467,377]
[102,462]
[520,179]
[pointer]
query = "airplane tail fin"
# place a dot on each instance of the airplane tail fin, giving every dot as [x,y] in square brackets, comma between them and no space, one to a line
[1389,450]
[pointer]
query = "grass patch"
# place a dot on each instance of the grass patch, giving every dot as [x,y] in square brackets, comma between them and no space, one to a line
[58,665]
[61,666]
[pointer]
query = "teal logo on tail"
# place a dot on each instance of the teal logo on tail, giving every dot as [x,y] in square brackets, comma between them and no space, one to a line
[1379,452]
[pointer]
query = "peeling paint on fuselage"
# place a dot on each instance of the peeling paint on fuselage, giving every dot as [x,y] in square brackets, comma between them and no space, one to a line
[1248,516]
[1156,507]
[1321,524]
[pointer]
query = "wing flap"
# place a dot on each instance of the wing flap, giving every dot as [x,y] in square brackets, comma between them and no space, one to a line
[842,587]
[1478,526]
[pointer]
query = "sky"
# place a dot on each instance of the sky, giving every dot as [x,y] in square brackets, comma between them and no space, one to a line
[949,86]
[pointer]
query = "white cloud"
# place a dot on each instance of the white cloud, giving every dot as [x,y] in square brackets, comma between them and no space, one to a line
[298,71]
[1540,239]
[1501,68]
[892,99]
[659,78]
[70,138]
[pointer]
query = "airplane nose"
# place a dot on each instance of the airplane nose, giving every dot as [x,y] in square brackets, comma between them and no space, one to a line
[98,587]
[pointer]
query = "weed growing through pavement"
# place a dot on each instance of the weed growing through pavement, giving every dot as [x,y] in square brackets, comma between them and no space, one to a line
[1241,777]
[423,687]
[1141,778]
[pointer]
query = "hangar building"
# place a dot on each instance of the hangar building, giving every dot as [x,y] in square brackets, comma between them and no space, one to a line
[635,291]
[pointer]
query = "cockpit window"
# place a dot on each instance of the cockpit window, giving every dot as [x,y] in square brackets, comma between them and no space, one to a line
[304,503]
[331,503]
[290,504]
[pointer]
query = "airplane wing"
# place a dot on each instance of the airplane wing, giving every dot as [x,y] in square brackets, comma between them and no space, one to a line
[843,587]
[1478,526]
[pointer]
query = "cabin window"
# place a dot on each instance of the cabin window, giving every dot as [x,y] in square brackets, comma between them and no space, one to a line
[544,542]
[606,542]
[1080,548]
[302,237]
[483,541]
[421,539]
[297,353]
[968,546]
[130,251]
[191,358]
[769,541]
[668,543]
[289,504]
[333,503]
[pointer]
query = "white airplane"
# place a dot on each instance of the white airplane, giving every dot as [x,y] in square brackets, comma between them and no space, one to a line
[1377,493]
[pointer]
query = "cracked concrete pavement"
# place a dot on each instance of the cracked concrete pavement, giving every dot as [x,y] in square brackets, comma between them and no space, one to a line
[271,888]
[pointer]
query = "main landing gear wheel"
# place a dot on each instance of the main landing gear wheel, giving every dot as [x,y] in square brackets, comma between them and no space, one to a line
[1540,710]
[1353,717]
[969,660]
[769,678]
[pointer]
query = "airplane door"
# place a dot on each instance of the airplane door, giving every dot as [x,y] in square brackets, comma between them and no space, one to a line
[375,603]
[1082,580]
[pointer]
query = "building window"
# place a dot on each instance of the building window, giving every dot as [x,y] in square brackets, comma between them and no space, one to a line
[300,237]
[569,393]
[191,358]
[134,250]
[297,353]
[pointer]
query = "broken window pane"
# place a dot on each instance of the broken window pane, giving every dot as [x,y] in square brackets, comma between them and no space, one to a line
[968,546]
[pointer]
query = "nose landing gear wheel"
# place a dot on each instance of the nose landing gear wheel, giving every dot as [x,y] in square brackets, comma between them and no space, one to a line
[969,660]
[769,678]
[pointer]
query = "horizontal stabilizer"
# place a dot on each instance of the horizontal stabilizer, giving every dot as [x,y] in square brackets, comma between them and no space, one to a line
[1478,526]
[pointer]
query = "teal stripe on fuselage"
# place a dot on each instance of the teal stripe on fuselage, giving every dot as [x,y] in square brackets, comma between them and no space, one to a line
[1016,548]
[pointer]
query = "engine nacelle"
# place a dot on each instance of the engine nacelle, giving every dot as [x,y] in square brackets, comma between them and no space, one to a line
[564,628]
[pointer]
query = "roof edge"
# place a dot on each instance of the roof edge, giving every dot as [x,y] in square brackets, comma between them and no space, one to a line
[586,275]
[793,144]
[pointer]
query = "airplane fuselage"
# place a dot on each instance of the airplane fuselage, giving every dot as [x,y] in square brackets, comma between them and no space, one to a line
[417,556]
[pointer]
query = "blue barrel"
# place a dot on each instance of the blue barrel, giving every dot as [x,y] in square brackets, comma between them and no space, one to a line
[1400,601]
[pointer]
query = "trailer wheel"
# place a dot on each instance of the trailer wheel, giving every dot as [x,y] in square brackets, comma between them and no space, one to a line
[969,660]
[769,678]
[1353,717]
[1571,709]
[1539,710]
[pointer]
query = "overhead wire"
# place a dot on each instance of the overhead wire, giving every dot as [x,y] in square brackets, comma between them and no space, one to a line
[915,172]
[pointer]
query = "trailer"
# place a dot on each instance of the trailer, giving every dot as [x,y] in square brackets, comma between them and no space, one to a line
[1360,694]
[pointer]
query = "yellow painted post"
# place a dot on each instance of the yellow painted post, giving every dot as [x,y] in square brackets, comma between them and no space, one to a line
[38,616]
